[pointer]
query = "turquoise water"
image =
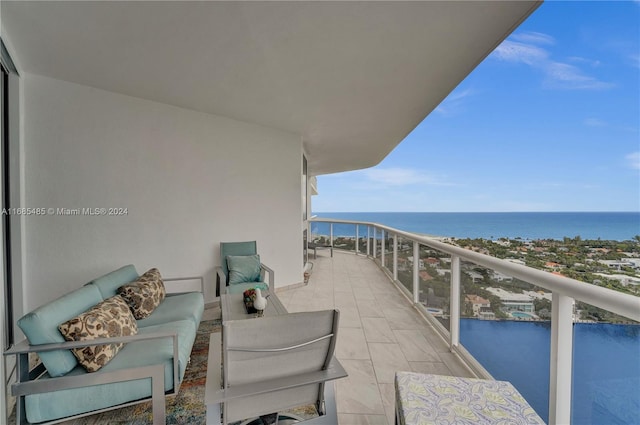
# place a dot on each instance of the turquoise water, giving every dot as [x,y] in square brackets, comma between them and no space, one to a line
[606,370]
[527,225]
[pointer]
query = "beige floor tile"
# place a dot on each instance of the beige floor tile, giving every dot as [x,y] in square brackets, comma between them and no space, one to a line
[358,397]
[349,318]
[403,318]
[352,344]
[376,329]
[431,368]
[388,394]
[415,346]
[352,419]
[368,308]
[360,371]
[387,360]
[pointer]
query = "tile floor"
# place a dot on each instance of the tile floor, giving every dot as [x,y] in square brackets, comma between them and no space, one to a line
[380,333]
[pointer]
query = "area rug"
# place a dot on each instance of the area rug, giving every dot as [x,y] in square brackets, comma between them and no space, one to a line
[186,408]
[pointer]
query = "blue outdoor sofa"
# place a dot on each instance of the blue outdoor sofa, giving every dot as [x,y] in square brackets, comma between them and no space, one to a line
[149,366]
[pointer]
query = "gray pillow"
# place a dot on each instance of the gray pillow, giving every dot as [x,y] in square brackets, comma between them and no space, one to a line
[243,268]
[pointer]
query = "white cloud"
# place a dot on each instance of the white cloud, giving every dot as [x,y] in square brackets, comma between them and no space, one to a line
[396,176]
[452,104]
[527,50]
[534,37]
[594,122]
[513,51]
[633,159]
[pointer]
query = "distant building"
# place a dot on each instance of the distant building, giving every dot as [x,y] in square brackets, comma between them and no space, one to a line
[500,277]
[479,304]
[475,276]
[513,302]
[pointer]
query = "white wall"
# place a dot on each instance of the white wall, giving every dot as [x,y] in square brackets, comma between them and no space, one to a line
[189,181]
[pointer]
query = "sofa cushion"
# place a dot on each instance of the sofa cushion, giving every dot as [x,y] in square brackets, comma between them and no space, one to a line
[109,283]
[185,306]
[110,318]
[58,404]
[243,268]
[41,326]
[144,294]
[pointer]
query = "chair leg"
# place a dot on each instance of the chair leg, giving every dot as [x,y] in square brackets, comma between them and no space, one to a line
[330,416]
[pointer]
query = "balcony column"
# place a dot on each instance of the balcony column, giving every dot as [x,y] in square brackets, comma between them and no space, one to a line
[416,270]
[454,303]
[560,367]
[357,240]
[395,258]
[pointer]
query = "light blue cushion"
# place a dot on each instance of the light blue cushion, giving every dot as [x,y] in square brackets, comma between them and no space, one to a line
[59,404]
[174,307]
[41,326]
[243,268]
[108,283]
[239,288]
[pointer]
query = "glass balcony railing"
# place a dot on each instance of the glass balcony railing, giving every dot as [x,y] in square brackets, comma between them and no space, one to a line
[466,295]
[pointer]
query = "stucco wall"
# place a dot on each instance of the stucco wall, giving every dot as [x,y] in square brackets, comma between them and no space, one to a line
[187,179]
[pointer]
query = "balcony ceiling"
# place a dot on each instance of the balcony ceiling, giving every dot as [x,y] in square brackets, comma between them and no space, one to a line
[352,78]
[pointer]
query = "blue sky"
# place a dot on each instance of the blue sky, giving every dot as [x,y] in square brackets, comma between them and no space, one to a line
[550,121]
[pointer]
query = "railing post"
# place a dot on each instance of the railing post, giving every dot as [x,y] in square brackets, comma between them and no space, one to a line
[368,241]
[395,257]
[375,235]
[382,244]
[331,234]
[416,270]
[357,240]
[454,303]
[560,367]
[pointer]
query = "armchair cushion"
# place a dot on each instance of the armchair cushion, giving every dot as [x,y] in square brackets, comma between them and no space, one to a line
[144,294]
[110,318]
[243,268]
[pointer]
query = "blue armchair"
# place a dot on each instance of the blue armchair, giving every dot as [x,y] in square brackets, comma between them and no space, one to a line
[240,269]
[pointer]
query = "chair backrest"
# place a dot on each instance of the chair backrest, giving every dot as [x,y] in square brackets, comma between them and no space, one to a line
[235,248]
[277,347]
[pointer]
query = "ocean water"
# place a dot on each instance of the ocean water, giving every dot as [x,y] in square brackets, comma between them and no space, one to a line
[606,372]
[526,225]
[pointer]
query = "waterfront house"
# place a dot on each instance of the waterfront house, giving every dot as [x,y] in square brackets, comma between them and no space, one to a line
[478,304]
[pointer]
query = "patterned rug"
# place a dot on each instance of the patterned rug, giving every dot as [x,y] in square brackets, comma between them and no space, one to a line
[186,408]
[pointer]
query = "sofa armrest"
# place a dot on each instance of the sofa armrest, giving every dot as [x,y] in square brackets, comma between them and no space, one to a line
[27,382]
[183,279]
[155,372]
[221,281]
[266,270]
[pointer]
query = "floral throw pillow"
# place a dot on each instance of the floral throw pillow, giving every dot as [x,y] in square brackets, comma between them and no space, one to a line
[110,318]
[144,294]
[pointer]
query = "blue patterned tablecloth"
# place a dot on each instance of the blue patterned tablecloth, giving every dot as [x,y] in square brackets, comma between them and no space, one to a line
[433,399]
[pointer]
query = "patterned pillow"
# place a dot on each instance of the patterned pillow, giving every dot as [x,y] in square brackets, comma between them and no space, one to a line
[144,294]
[110,318]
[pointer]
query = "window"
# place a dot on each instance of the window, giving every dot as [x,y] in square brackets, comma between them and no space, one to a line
[7,68]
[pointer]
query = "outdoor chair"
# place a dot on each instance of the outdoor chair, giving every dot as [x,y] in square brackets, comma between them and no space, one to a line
[240,269]
[276,363]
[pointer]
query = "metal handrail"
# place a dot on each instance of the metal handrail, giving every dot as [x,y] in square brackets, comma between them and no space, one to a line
[564,292]
[617,302]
